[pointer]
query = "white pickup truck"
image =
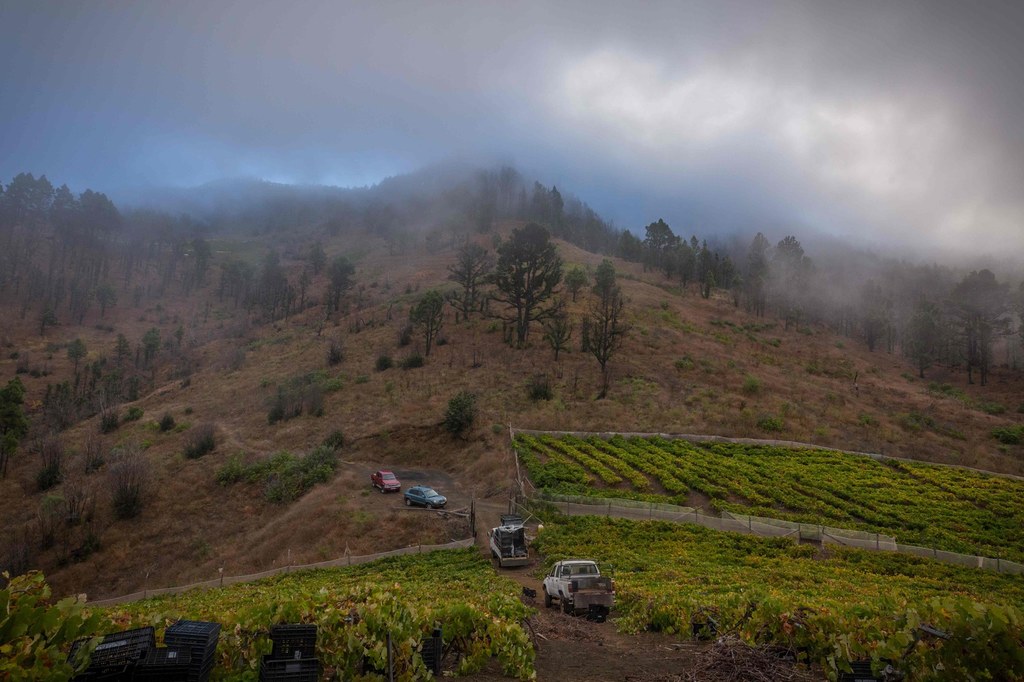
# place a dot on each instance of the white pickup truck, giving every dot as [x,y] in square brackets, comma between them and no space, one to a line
[580,588]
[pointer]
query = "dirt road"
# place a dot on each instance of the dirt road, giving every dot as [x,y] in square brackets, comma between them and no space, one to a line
[571,649]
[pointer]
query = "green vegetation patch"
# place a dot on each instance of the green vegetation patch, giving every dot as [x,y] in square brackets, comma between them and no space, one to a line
[285,477]
[354,609]
[920,504]
[845,606]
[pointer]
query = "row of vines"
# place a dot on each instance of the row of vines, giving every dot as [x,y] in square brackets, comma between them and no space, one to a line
[354,608]
[949,509]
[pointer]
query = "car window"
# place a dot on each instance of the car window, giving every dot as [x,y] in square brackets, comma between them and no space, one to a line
[388,477]
[429,491]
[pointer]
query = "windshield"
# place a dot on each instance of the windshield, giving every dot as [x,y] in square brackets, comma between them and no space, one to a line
[429,492]
[388,476]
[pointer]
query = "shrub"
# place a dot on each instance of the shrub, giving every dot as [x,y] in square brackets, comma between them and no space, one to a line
[1009,435]
[48,476]
[413,361]
[298,474]
[92,453]
[233,471]
[866,419]
[915,421]
[335,440]
[334,353]
[460,414]
[166,422]
[992,408]
[109,421]
[276,412]
[405,335]
[751,385]
[684,363]
[539,388]
[51,470]
[770,424]
[200,441]
[133,414]
[128,476]
[384,362]
[362,379]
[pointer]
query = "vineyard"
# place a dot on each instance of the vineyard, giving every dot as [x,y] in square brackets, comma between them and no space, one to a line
[848,605]
[354,608]
[949,509]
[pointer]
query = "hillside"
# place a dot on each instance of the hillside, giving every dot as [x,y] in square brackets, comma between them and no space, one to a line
[689,365]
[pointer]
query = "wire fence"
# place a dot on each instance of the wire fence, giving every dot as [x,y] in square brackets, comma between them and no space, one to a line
[223,581]
[578,505]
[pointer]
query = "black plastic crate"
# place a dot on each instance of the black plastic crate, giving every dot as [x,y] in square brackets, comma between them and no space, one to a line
[193,633]
[170,664]
[860,672]
[289,670]
[116,655]
[432,650]
[293,641]
[201,638]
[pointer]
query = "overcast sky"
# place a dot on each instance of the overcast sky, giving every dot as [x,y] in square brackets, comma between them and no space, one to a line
[877,120]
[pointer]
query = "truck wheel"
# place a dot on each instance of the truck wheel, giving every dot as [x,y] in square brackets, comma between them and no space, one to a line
[408,503]
[547,600]
[567,607]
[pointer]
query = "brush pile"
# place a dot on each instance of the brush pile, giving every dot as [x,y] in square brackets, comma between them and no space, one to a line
[731,660]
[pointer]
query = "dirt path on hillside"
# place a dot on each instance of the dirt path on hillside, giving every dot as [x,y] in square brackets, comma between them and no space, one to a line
[572,649]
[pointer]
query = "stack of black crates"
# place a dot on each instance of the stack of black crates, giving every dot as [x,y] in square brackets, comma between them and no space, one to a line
[116,657]
[199,640]
[293,658]
[432,651]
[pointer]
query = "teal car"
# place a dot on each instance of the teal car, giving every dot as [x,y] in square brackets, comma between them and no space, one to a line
[424,496]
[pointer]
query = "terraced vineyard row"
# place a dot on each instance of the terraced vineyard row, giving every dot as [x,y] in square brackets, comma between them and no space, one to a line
[851,605]
[920,504]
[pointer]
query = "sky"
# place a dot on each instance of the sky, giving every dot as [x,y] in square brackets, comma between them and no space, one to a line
[878,122]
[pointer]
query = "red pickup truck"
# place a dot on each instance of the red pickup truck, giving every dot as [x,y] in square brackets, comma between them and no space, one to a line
[385,481]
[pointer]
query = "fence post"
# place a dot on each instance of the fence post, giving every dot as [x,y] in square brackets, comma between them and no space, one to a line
[289,567]
[876,542]
[221,571]
[391,661]
[145,586]
[750,524]
[419,549]
[650,510]
[609,508]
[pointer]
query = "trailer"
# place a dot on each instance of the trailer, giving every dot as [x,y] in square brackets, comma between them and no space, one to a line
[508,542]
